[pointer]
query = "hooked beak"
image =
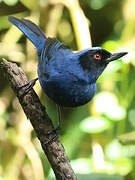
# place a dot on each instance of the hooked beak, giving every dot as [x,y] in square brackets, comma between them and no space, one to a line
[115,56]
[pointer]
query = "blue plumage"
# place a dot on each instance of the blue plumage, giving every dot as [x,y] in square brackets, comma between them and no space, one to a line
[68,78]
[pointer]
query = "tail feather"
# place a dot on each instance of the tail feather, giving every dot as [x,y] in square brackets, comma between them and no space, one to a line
[31,30]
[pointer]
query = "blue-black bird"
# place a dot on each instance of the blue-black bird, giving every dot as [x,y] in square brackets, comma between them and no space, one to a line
[68,78]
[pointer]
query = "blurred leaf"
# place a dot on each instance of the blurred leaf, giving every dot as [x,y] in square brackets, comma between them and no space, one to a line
[111,70]
[8,10]
[75,117]
[111,45]
[131,117]
[32,4]
[12,32]
[123,166]
[81,165]
[128,138]
[96,177]
[5,116]
[114,150]
[96,4]
[99,177]
[118,155]
[4,24]
[95,124]
[65,31]
[114,111]
[1,178]
[10,2]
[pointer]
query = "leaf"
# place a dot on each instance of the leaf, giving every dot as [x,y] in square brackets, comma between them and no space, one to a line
[4,24]
[81,165]
[8,10]
[10,2]
[96,177]
[94,124]
[96,4]
[131,117]
[111,45]
[32,4]
[111,70]
[99,177]
[128,138]
[107,103]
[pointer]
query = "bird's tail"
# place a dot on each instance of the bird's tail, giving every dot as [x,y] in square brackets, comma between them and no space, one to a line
[31,30]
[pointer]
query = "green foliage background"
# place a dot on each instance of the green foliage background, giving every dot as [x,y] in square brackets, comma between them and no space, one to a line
[98,137]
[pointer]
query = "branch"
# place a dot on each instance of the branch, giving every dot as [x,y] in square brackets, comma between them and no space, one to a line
[40,121]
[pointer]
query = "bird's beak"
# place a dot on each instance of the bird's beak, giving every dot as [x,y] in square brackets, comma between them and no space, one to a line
[115,56]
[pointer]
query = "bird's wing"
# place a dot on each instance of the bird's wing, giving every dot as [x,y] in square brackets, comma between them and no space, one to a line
[51,47]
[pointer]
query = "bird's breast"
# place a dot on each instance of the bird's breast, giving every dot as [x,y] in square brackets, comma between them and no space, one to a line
[68,92]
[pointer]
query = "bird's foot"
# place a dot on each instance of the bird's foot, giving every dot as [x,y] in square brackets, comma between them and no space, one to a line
[27,87]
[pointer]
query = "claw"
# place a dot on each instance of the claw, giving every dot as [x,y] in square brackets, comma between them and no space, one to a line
[28,86]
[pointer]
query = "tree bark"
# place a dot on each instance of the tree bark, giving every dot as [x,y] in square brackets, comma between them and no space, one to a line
[40,121]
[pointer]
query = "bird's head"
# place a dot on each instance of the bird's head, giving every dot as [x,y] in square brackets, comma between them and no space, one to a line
[94,60]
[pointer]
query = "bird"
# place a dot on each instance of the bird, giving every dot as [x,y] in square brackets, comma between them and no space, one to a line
[68,78]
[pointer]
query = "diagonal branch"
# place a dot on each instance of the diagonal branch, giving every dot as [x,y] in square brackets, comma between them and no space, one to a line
[40,121]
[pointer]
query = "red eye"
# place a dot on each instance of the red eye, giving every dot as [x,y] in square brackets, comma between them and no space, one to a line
[97,56]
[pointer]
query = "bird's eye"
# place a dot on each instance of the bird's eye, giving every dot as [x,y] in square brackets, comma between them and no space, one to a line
[97,56]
